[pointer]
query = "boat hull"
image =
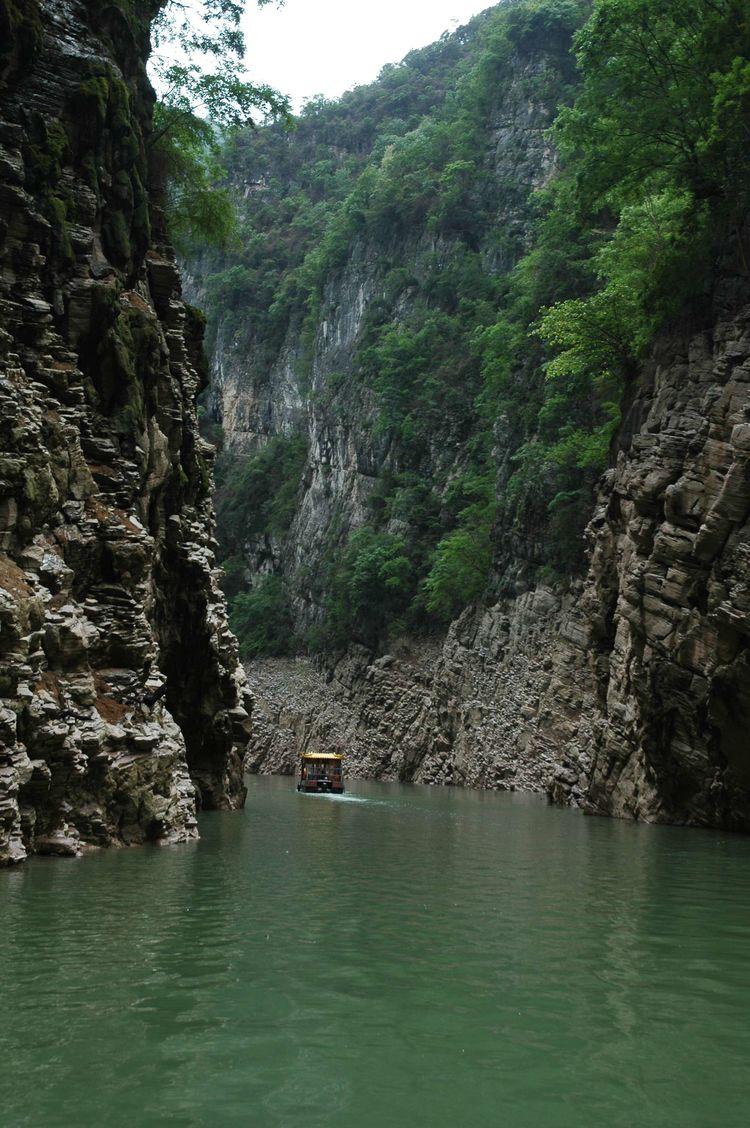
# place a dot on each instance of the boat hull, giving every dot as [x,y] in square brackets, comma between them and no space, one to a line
[318,787]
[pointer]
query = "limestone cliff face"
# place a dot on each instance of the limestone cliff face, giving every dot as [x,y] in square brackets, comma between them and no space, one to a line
[628,694]
[311,386]
[666,610]
[122,705]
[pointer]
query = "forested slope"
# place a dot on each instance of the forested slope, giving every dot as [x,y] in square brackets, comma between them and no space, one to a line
[378,244]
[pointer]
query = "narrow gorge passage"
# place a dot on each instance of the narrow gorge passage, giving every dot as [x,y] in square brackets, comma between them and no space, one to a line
[479,384]
[374,512]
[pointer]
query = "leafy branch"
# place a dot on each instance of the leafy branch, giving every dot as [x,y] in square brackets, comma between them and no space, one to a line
[198,65]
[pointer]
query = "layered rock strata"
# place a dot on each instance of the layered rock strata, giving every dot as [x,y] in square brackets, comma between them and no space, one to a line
[665,617]
[122,704]
[472,710]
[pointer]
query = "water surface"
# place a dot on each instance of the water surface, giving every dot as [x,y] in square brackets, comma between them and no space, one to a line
[401,957]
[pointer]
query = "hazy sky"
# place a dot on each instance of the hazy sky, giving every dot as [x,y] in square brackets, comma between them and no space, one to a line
[327,46]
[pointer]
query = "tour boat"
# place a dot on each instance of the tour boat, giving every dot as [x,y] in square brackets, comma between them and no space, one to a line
[321,771]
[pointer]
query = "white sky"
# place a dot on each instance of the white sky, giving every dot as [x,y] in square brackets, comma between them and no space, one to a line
[325,47]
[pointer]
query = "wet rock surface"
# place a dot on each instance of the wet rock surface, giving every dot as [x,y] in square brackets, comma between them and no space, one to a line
[122,703]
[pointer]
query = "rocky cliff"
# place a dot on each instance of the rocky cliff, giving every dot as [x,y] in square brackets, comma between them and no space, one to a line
[665,612]
[404,284]
[626,694]
[122,705]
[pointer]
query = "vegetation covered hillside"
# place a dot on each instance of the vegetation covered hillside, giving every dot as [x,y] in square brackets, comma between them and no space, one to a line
[527,204]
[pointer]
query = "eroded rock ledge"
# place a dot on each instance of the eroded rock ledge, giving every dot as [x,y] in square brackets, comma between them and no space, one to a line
[122,703]
[665,617]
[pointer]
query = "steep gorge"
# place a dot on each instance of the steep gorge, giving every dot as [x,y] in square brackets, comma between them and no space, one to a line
[123,706]
[616,679]
[626,693]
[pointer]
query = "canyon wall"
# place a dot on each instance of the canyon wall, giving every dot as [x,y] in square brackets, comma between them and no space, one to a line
[122,704]
[664,615]
[626,693]
[307,382]
[498,703]
[607,669]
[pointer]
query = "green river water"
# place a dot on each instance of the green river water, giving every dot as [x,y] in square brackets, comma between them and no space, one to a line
[402,956]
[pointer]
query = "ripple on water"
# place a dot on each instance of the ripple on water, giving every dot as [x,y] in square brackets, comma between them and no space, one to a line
[391,956]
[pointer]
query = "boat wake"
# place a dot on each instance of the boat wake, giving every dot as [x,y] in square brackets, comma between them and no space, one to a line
[343,798]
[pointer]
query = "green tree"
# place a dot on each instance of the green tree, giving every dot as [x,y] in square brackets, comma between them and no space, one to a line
[663,104]
[203,97]
[261,620]
[372,584]
[462,560]
[654,149]
[255,496]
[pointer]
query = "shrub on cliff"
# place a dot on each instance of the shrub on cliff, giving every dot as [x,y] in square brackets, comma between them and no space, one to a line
[256,496]
[261,620]
[371,584]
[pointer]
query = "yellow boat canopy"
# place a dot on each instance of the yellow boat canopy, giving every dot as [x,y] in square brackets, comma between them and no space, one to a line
[322,756]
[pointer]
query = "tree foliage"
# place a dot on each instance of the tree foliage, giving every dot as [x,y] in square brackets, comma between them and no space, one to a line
[261,620]
[371,585]
[255,497]
[255,502]
[461,563]
[204,96]
[647,213]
